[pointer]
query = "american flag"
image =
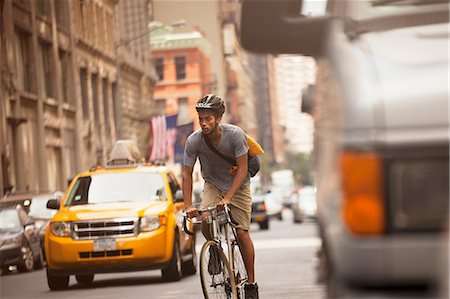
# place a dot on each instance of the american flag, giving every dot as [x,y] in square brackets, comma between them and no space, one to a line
[164,134]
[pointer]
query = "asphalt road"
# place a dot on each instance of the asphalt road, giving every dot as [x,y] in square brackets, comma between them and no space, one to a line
[285,261]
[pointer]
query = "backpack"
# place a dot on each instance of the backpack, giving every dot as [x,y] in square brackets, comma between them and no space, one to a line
[254,149]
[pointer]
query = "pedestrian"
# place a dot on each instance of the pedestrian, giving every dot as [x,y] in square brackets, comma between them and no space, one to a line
[223,184]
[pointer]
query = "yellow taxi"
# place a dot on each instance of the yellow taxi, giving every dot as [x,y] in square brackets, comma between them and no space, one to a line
[122,217]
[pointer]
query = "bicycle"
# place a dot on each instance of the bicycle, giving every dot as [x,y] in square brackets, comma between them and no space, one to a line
[215,268]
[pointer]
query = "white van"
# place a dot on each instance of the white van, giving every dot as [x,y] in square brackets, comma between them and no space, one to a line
[380,106]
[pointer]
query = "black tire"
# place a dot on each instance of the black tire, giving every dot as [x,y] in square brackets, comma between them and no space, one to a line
[223,285]
[240,273]
[85,278]
[5,270]
[173,271]
[190,267]
[39,263]
[26,261]
[297,220]
[264,225]
[56,282]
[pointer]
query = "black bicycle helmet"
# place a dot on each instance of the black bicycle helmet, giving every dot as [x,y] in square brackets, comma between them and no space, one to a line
[212,102]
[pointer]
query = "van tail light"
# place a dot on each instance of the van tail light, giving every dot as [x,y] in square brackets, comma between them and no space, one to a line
[363,208]
[263,206]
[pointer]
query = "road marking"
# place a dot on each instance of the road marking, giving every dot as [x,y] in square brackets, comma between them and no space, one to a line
[287,243]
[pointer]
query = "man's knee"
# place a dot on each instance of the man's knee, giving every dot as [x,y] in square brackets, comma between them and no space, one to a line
[242,234]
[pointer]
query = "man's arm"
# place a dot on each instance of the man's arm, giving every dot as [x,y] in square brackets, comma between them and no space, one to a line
[187,190]
[241,175]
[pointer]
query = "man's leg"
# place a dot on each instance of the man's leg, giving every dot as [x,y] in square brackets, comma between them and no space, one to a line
[248,253]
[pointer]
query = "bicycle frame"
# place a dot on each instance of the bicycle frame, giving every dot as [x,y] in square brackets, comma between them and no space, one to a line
[216,220]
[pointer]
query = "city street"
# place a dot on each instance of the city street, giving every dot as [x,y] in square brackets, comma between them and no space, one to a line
[285,262]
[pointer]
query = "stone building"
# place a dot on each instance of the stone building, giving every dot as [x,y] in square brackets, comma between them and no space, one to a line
[59,109]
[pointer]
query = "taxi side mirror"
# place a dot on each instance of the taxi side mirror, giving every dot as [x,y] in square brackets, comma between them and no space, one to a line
[53,204]
[179,196]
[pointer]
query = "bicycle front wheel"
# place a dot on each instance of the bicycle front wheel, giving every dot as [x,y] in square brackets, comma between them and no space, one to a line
[238,266]
[215,273]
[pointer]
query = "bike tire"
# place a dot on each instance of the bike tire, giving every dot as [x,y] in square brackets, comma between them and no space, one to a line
[222,284]
[238,266]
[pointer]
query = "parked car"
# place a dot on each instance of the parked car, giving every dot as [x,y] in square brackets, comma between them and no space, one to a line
[259,212]
[19,240]
[381,142]
[305,205]
[125,216]
[41,215]
[274,204]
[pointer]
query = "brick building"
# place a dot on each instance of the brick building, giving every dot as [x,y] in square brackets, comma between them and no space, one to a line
[184,72]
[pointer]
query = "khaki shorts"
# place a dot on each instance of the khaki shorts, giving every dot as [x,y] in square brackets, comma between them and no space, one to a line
[240,205]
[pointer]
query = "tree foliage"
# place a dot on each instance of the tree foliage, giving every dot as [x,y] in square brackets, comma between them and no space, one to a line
[300,163]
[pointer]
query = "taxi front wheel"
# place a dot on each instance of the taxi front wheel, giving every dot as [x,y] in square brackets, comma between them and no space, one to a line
[173,272]
[56,282]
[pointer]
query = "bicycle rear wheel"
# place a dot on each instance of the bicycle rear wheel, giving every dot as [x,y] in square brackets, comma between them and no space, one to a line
[215,273]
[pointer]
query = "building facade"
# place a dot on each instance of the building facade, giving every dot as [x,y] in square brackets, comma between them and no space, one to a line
[293,74]
[270,131]
[182,62]
[58,109]
[136,71]
[204,17]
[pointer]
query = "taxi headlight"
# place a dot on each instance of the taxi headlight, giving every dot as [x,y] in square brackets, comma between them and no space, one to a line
[149,223]
[61,229]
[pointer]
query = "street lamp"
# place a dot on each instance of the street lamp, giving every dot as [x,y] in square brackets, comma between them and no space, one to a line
[121,43]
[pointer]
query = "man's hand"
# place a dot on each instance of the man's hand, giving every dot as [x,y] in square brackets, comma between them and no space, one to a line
[191,212]
[222,203]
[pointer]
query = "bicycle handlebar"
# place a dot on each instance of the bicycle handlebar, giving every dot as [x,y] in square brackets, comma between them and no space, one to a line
[201,211]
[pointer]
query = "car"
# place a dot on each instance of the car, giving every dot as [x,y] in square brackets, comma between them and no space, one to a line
[40,214]
[19,241]
[305,206]
[274,203]
[259,212]
[125,216]
[381,142]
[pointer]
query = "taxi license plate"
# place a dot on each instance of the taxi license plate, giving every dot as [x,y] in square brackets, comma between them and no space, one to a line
[104,244]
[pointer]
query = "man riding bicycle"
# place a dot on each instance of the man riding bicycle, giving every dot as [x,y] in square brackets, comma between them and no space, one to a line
[224,185]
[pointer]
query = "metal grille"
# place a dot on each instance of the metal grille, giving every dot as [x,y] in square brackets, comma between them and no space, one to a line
[109,228]
[95,254]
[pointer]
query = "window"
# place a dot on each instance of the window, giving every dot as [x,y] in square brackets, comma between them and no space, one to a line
[61,14]
[114,101]
[159,64]
[24,67]
[115,187]
[43,7]
[94,86]
[180,65]
[105,101]
[84,93]
[183,111]
[47,69]
[65,67]
[160,106]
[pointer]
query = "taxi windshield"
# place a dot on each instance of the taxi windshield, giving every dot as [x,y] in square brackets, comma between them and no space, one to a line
[117,187]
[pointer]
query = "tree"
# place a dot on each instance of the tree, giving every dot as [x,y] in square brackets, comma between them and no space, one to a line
[300,163]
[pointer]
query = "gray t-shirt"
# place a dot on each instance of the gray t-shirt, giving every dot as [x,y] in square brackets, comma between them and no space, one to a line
[215,170]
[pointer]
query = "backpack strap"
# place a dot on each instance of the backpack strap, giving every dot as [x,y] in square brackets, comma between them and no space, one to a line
[211,147]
